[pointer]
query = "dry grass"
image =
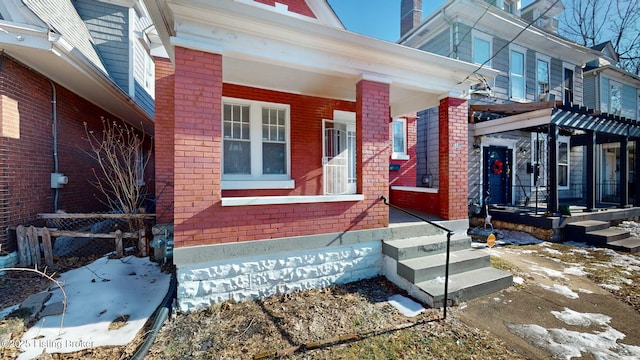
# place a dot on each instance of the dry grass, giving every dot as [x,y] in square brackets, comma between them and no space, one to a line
[352,321]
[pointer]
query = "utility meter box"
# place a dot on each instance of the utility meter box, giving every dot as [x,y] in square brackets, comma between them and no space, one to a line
[58,180]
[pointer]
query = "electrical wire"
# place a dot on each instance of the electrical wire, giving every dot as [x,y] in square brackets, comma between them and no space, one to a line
[510,41]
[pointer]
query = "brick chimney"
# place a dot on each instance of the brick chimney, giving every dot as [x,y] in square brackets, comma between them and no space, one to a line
[410,15]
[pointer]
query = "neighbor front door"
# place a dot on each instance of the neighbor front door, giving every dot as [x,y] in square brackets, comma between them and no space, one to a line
[497,175]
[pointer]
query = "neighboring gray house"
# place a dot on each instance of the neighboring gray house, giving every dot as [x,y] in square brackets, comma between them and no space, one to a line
[120,31]
[513,161]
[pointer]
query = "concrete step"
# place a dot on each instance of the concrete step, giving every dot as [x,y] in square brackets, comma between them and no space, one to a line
[604,236]
[579,228]
[433,266]
[467,285]
[630,244]
[404,249]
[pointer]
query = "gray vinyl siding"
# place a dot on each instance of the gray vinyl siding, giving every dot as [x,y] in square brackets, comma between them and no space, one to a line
[109,27]
[589,89]
[144,99]
[440,44]
[629,98]
[578,86]
[462,37]
[500,62]
[556,74]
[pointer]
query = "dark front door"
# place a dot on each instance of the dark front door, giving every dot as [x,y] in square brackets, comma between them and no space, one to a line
[497,175]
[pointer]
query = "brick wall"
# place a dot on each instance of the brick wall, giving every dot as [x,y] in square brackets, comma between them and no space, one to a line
[453,158]
[199,217]
[406,176]
[164,141]
[296,6]
[26,148]
[420,201]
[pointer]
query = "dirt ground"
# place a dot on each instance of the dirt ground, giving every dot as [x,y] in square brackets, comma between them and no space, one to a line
[532,303]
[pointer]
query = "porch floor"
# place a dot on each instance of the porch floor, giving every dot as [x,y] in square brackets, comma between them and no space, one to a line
[399,218]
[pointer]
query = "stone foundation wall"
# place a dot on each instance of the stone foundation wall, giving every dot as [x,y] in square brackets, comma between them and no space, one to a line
[250,278]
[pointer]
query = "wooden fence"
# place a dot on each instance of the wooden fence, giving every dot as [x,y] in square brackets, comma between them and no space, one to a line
[29,238]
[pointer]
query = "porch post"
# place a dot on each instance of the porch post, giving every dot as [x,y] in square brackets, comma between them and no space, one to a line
[164,144]
[552,160]
[453,158]
[624,157]
[590,192]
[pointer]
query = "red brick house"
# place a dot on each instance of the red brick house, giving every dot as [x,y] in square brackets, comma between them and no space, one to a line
[277,132]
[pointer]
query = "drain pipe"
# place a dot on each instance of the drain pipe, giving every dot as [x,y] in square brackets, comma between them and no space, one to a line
[161,315]
[55,141]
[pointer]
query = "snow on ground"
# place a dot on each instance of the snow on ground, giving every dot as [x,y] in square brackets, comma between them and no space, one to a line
[548,273]
[563,343]
[97,294]
[575,270]
[406,306]
[562,290]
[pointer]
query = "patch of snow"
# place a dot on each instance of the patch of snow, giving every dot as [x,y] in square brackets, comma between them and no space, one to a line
[8,310]
[512,237]
[497,299]
[566,344]
[553,251]
[585,291]
[518,280]
[581,245]
[609,287]
[546,272]
[572,317]
[134,289]
[406,306]
[575,270]
[562,290]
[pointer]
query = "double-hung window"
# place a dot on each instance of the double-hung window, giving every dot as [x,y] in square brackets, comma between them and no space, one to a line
[255,145]
[481,49]
[516,73]
[542,77]
[400,139]
[563,162]
[567,78]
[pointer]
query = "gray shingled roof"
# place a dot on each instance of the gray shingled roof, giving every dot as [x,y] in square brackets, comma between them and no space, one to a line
[63,18]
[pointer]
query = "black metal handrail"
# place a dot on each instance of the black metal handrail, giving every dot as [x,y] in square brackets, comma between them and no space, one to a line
[446,265]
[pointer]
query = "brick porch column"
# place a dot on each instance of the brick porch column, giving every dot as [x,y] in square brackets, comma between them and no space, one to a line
[198,134]
[372,149]
[163,139]
[453,157]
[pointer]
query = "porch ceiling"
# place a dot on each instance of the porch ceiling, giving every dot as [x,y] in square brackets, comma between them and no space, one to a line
[268,49]
[491,119]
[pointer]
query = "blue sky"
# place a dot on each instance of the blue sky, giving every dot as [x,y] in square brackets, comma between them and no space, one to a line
[378,18]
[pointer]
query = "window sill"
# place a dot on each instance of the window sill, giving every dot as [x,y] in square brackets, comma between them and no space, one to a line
[287,200]
[397,156]
[416,189]
[257,184]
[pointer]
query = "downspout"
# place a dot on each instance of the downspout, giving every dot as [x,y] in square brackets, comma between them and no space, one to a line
[55,140]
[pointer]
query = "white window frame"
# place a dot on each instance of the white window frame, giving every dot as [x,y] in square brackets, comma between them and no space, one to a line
[256,179]
[484,37]
[523,51]
[572,67]
[565,140]
[546,59]
[404,155]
